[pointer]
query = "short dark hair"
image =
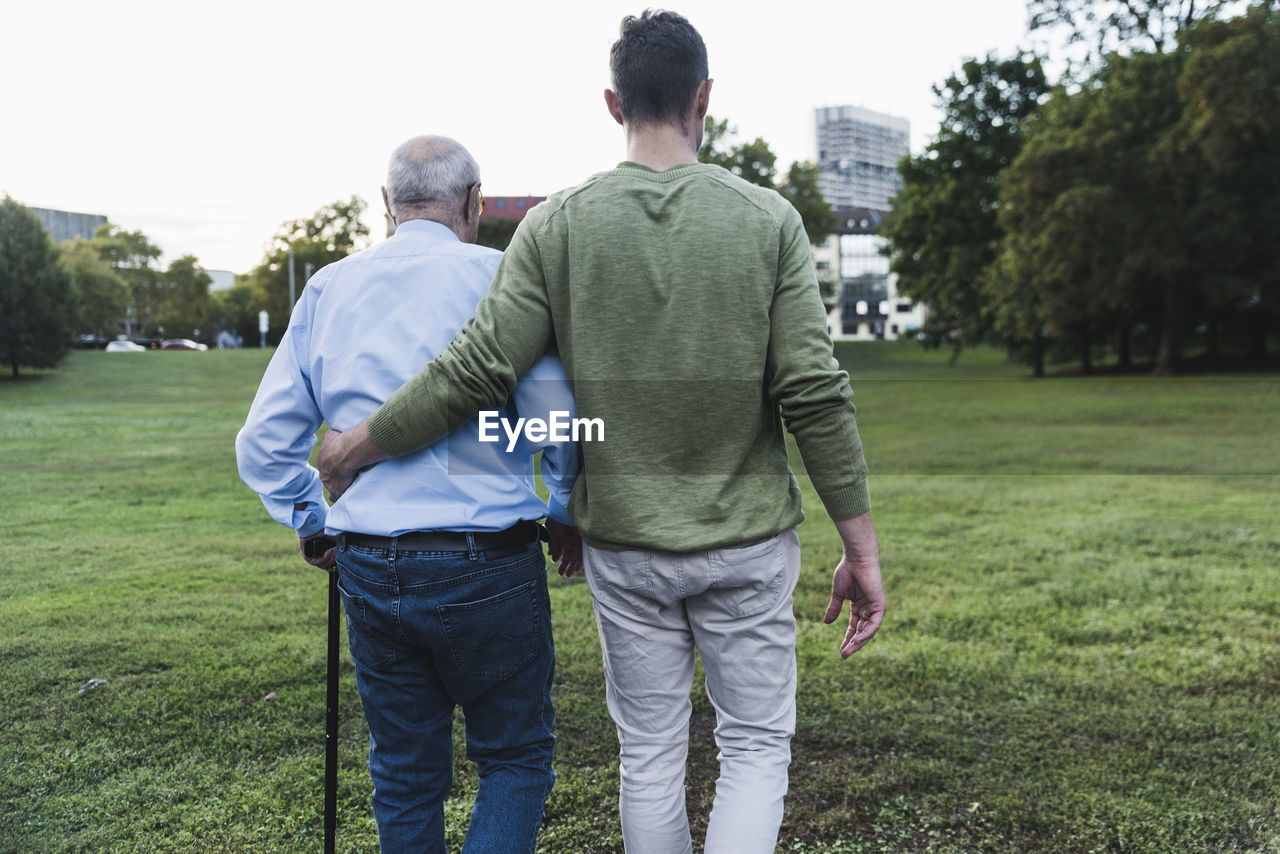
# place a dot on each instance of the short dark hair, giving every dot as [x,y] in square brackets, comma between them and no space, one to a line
[658,62]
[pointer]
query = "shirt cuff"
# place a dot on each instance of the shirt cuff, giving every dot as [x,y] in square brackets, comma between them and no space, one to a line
[308,522]
[560,513]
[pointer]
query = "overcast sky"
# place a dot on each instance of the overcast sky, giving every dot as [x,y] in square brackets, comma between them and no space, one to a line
[207,125]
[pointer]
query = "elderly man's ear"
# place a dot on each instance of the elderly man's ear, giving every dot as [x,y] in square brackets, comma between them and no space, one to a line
[386,203]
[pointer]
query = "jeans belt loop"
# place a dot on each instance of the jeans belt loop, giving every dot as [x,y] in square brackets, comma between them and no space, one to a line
[471,546]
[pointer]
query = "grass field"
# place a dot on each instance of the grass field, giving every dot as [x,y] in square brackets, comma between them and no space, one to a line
[1082,650]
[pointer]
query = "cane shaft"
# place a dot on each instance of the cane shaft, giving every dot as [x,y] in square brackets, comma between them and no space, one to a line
[331,720]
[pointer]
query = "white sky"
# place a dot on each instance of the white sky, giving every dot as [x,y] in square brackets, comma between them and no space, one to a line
[207,125]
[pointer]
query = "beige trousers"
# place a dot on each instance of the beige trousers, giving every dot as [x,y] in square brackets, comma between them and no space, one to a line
[734,605]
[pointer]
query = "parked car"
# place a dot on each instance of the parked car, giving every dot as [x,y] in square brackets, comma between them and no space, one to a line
[183,344]
[124,346]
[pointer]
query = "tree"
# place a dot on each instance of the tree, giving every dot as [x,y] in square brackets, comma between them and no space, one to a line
[1230,125]
[101,295]
[755,162]
[330,234]
[186,299]
[801,189]
[496,232]
[36,301]
[751,161]
[1147,197]
[1107,26]
[1094,227]
[829,289]
[133,258]
[716,135]
[234,310]
[942,233]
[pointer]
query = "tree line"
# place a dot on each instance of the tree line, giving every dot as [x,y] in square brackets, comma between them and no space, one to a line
[112,284]
[51,294]
[1129,210]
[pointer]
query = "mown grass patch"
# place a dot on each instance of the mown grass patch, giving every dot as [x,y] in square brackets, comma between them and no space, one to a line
[1080,653]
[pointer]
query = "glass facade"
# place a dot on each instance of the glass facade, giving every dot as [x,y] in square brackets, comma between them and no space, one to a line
[864,285]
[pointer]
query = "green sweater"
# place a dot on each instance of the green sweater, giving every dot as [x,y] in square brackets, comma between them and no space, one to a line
[686,313]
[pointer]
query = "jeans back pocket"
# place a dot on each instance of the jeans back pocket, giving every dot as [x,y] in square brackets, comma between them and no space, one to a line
[365,636]
[493,638]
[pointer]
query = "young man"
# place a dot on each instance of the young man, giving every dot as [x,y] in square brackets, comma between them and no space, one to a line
[686,311]
[440,566]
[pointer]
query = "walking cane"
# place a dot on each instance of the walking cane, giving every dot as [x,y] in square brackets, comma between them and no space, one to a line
[331,719]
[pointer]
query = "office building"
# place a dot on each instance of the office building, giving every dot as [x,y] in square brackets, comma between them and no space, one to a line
[858,154]
[869,306]
[65,225]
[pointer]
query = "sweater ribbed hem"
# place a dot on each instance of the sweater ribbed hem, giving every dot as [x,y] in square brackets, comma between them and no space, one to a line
[847,502]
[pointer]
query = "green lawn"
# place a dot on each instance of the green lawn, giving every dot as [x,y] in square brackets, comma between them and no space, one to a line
[1082,650]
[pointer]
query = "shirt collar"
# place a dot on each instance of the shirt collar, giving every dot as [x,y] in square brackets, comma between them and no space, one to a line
[429,227]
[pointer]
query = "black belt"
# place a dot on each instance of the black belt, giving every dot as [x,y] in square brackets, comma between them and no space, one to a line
[520,534]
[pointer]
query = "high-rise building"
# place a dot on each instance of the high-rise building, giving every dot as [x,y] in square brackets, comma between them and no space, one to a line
[65,225]
[858,154]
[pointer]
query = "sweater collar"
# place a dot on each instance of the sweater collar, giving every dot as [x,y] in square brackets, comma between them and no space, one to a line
[631,167]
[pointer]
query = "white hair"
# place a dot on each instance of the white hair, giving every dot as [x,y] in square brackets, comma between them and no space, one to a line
[430,169]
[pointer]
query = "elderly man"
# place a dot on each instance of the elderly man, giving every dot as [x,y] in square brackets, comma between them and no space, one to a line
[684,304]
[440,565]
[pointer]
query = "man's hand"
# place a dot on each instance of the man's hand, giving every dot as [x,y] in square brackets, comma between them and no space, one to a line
[565,547]
[345,455]
[857,578]
[325,560]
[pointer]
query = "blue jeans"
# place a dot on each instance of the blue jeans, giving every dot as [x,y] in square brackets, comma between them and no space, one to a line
[433,630]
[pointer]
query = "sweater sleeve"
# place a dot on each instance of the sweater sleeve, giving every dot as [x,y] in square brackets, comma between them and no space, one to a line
[511,329]
[806,381]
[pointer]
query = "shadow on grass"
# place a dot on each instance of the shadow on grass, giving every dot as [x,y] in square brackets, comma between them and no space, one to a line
[9,378]
[1189,367]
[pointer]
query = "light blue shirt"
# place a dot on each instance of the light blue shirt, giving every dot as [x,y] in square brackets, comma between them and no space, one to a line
[362,327]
